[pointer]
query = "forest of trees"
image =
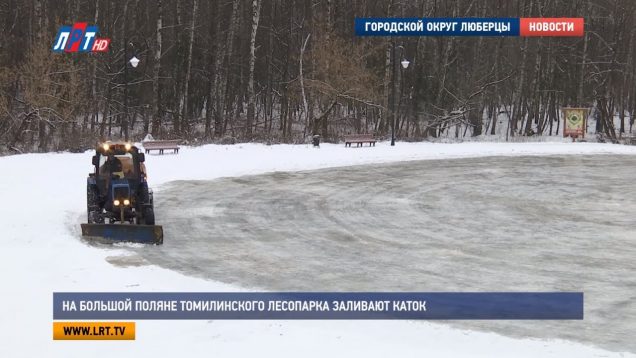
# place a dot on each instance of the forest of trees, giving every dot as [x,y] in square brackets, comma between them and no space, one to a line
[282,70]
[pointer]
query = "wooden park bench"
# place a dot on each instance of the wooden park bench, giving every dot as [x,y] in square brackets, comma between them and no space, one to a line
[629,139]
[359,140]
[161,145]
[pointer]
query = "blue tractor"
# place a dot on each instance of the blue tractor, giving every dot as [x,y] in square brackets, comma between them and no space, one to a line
[119,203]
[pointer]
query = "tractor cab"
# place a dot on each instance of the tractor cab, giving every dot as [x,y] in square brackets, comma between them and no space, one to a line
[119,161]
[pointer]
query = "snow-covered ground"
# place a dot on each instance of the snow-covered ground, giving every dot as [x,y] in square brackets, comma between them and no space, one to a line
[44,194]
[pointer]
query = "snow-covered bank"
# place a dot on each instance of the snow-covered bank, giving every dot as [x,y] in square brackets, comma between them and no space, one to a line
[215,161]
[44,196]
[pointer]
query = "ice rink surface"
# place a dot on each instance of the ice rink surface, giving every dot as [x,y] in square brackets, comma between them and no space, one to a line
[556,223]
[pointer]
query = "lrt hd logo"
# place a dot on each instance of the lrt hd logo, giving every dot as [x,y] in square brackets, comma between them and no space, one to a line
[79,38]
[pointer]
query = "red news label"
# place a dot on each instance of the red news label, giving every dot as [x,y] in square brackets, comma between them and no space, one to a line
[561,26]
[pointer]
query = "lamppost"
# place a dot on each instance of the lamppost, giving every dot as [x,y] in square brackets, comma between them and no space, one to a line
[134,62]
[394,102]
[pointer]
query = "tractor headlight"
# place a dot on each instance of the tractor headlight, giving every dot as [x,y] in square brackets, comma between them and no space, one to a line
[106,146]
[126,202]
[116,202]
[128,146]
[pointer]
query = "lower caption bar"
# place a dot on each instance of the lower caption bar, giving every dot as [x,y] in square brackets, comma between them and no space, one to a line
[316,305]
[71,331]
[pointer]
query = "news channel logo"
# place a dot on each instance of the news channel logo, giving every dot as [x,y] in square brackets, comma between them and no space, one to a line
[79,38]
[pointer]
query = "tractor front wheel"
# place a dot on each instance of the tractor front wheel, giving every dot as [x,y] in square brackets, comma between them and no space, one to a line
[92,206]
[149,216]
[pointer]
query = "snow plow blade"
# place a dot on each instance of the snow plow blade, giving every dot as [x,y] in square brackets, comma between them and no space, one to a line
[145,234]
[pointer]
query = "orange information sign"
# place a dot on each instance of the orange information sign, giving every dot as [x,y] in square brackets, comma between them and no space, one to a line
[574,122]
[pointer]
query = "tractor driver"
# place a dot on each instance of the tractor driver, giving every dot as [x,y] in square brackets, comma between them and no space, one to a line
[113,166]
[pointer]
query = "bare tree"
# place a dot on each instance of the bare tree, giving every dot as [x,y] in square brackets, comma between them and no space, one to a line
[156,72]
[184,113]
[251,101]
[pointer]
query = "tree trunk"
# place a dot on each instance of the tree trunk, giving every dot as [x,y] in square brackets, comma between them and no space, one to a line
[156,72]
[123,124]
[230,53]
[302,85]
[251,101]
[176,72]
[579,95]
[185,122]
[95,100]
